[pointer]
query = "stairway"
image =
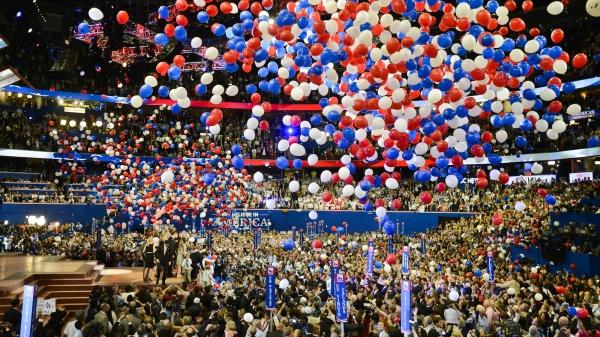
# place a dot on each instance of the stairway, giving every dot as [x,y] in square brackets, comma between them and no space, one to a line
[71,289]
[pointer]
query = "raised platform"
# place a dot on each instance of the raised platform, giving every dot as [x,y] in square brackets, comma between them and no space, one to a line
[69,282]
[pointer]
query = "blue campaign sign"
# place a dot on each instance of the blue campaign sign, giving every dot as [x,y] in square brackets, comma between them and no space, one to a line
[335,268]
[341,307]
[257,234]
[405,305]
[28,310]
[270,291]
[301,237]
[370,257]
[209,240]
[405,260]
[490,265]
[294,233]
[423,245]
[390,244]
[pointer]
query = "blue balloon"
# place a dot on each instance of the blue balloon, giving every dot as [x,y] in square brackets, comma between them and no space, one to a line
[297,164]
[175,109]
[389,227]
[250,88]
[568,88]
[550,199]
[521,141]
[441,162]
[494,159]
[236,149]
[202,17]
[208,178]
[180,33]
[593,141]
[237,162]
[163,91]
[83,28]
[145,91]
[174,73]
[378,264]
[288,244]
[572,311]
[161,39]
[477,272]
[392,153]
[365,185]
[281,163]
[163,12]
[201,89]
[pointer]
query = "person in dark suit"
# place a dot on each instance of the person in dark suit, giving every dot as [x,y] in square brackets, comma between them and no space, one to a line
[173,245]
[163,258]
[196,259]
[13,315]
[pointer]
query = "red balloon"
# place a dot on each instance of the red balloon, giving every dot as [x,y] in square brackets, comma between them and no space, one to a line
[169,30]
[333,229]
[542,192]
[122,17]
[457,161]
[317,244]
[497,219]
[560,289]
[179,60]
[582,313]
[527,5]
[396,204]
[181,20]
[263,125]
[226,7]
[426,197]
[391,259]
[503,178]
[482,183]
[440,187]
[212,10]
[181,5]
[327,197]
[557,35]
[516,25]
[162,68]
[579,60]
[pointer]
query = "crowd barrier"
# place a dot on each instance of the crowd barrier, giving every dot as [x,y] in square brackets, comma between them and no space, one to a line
[279,220]
[575,263]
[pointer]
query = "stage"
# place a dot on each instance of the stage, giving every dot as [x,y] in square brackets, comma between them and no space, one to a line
[70,282]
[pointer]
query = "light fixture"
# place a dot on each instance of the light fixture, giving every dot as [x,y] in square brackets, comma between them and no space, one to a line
[19,14]
[551,163]
[61,101]
[596,162]
[98,123]
[63,122]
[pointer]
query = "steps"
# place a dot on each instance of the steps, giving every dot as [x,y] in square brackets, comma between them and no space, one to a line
[70,289]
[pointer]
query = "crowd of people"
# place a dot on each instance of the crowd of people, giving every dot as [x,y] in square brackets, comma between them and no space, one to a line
[222,289]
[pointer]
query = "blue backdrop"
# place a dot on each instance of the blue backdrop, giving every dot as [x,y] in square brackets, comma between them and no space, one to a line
[584,263]
[280,220]
[577,218]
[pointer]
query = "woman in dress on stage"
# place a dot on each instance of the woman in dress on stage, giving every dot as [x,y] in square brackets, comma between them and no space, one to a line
[148,258]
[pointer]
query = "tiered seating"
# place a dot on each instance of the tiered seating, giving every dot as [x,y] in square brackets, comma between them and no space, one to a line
[28,187]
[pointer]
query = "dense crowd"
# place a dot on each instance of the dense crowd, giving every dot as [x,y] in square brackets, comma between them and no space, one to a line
[223,289]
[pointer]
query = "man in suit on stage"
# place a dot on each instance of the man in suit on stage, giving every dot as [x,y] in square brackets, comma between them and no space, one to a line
[163,257]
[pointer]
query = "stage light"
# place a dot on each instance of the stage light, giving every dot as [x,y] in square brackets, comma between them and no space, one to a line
[31,220]
[551,163]
[30,30]
[19,14]
[290,131]
[98,123]
[72,123]
[63,122]
[61,101]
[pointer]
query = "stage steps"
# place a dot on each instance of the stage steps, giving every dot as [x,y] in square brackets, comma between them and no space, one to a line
[71,290]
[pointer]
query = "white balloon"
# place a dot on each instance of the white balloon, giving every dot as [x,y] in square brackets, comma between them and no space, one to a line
[501,136]
[559,126]
[258,177]
[297,150]
[312,159]
[167,177]
[215,129]
[343,173]
[313,188]
[196,42]
[326,176]
[592,7]
[520,206]
[297,93]
[136,101]
[453,296]
[574,109]
[538,297]
[380,211]
[232,90]
[421,148]
[348,190]
[294,186]
[313,215]
[206,78]
[435,95]
[248,317]
[451,181]
[560,67]
[541,125]
[283,284]
[391,183]
[283,145]
[216,99]
[95,14]
[552,134]
[249,134]
[494,174]
[537,168]
[151,81]
[346,159]
[211,53]
[555,7]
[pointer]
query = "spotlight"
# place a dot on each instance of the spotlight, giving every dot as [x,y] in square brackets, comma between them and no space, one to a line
[30,30]
[19,14]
